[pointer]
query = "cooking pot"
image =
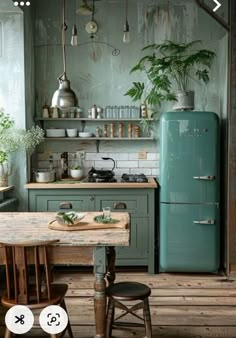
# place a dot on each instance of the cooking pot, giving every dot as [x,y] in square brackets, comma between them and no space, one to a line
[44,176]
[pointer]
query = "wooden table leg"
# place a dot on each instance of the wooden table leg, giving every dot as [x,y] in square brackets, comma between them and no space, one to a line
[111,259]
[100,263]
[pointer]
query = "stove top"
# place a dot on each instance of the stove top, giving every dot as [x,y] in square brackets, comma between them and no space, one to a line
[100,180]
[125,178]
[136,178]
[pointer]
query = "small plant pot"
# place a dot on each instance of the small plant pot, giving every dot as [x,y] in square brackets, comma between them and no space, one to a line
[76,173]
[4,181]
[185,100]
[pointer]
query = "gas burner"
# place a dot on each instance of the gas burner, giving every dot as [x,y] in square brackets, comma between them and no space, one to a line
[101,180]
[137,178]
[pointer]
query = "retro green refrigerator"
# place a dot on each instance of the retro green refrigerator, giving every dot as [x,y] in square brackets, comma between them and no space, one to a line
[189,192]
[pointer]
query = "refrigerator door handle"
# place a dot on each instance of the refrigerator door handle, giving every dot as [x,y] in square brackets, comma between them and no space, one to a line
[207,178]
[205,221]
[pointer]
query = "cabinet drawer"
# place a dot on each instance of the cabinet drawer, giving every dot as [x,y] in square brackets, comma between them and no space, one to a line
[56,203]
[132,203]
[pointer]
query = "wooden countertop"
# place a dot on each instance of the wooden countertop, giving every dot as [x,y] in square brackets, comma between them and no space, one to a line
[87,185]
[26,226]
[3,189]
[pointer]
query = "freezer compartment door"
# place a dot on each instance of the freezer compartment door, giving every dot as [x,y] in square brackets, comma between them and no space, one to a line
[189,157]
[189,238]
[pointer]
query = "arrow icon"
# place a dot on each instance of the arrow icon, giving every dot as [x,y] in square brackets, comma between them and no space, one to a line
[218,4]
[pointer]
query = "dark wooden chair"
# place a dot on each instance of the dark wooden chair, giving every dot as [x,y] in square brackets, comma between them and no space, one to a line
[128,291]
[28,279]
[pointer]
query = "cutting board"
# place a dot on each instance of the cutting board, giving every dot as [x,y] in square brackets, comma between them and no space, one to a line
[87,223]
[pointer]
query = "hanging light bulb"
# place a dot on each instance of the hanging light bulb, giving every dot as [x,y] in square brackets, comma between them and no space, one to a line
[126,32]
[74,37]
[64,96]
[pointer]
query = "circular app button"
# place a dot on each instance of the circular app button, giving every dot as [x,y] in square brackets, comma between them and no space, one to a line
[53,319]
[19,319]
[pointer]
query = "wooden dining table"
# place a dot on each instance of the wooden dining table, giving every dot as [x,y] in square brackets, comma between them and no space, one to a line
[81,247]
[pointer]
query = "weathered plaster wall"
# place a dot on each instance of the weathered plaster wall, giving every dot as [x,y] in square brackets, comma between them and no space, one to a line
[98,77]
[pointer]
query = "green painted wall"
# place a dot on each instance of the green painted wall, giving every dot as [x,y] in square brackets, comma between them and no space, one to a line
[99,77]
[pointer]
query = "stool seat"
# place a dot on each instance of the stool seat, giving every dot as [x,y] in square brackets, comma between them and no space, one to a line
[128,291]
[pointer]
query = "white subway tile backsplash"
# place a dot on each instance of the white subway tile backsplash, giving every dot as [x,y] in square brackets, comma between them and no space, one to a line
[145,171]
[119,172]
[127,164]
[155,172]
[119,156]
[56,156]
[95,156]
[151,156]
[88,164]
[133,156]
[148,164]
[104,164]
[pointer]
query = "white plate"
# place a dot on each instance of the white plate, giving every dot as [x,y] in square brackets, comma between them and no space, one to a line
[53,132]
[85,134]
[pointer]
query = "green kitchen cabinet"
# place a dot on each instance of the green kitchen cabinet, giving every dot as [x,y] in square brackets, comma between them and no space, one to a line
[140,203]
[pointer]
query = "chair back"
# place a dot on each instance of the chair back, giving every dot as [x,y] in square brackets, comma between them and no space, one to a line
[27,271]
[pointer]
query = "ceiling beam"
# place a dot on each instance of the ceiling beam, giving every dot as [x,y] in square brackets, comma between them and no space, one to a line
[215,16]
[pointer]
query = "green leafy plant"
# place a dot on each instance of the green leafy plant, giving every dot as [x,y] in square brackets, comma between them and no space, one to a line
[102,219]
[169,61]
[76,167]
[13,139]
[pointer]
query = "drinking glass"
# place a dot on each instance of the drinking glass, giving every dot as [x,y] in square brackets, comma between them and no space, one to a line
[107,213]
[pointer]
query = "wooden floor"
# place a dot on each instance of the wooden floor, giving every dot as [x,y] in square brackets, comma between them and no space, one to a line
[183,306]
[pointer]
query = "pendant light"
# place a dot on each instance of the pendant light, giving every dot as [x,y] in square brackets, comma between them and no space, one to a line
[126,33]
[64,96]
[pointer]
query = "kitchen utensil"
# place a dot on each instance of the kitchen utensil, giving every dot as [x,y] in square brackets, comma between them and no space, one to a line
[102,175]
[71,132]
[55,112]
[55,132]
[45,112]
[44,176]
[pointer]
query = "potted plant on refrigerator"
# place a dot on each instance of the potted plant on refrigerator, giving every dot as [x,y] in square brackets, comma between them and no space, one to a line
[168,63]
[14,139]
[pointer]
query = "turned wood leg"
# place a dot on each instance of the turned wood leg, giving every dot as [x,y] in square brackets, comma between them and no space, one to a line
[100,263]
[147,318]
[63,305]
[111,259]
[110,318]
[7,333]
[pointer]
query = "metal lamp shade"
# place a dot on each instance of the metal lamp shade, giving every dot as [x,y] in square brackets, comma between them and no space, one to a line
[64,97]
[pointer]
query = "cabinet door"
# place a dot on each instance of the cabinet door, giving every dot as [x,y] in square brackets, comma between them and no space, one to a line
[56,203]
[137,252]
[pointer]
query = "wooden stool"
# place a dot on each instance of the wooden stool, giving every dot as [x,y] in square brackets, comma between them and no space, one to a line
[128,291]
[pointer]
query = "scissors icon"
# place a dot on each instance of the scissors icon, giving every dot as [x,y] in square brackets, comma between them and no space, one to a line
[20,319]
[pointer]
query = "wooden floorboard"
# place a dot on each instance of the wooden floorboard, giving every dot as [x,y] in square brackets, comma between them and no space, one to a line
[182,306]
